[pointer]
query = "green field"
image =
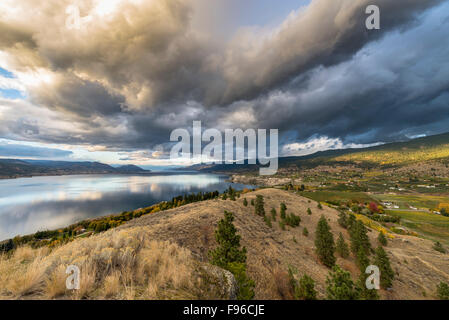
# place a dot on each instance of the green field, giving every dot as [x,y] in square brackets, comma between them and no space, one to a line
[337,195]
[429,225]
[419,201]
[425,223]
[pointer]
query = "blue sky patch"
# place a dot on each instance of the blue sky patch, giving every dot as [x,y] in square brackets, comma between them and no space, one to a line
[5,73]
[11,94]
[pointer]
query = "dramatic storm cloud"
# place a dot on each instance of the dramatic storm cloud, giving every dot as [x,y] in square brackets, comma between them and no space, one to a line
[131,71]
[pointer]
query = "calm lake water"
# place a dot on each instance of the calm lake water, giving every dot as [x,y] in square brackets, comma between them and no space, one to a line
[28,205]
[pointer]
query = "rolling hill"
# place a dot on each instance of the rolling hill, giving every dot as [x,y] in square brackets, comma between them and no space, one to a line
[396,154]
[14,168]
[121,261]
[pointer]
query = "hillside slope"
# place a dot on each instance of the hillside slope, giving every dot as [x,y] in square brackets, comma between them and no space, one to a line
[433,149]
[271,250]
[164,256]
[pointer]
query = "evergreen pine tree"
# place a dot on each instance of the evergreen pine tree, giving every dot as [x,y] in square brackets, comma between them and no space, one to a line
[228,240]
[283,210]
[7,245]
[443,291]
[439,247]
[342,247]
[229,256]
[259,206]
[305,289]
[359,238]
[340,285]
[305,232]
[343,220]
[309,212]
[362,260]
[324,243]
[365,293]
[245,202]
[292,220]
[273,214]
[382,239]
[386,272]
[351,221]
[282,224]
[245,284]
[267,221]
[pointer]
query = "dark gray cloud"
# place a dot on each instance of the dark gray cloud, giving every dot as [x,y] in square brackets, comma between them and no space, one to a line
[127,79]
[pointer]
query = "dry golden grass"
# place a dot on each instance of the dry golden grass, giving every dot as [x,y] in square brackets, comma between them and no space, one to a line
[55,284]
[111,285]
[119,264]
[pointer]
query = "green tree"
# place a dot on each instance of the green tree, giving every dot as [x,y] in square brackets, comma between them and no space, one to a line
[309,212]
[351,221]
[305,288]
[439,247]
[252,202]
[386,272]
[7,245]
[245,284]
[305,232]
[228,255]
[225,196]
[282,224]
[324,243]
[343,220]
[273,214]
[359,238]
[267,221]
[259,206]
[342,247]
[283,210]
[365,293]
[292,220]
[443,291]
[362,260]
[340,285]
[228,240]
[245,202]
[382,239]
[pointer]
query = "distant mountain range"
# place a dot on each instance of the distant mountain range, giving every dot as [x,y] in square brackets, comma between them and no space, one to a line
[431,148]
[14,168]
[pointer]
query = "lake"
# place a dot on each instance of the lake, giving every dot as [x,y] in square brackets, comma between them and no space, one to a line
[32,204]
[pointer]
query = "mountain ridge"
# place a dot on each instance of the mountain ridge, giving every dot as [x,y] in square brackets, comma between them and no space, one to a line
[15,168]
[435,147]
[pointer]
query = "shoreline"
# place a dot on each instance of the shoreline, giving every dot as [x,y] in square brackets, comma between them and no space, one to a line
[152,173]
[226,179]
[127,216]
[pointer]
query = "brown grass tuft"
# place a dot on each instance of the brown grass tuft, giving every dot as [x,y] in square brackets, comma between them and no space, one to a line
[119,264]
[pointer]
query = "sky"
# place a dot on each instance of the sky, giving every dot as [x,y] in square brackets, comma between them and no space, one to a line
[114,86]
